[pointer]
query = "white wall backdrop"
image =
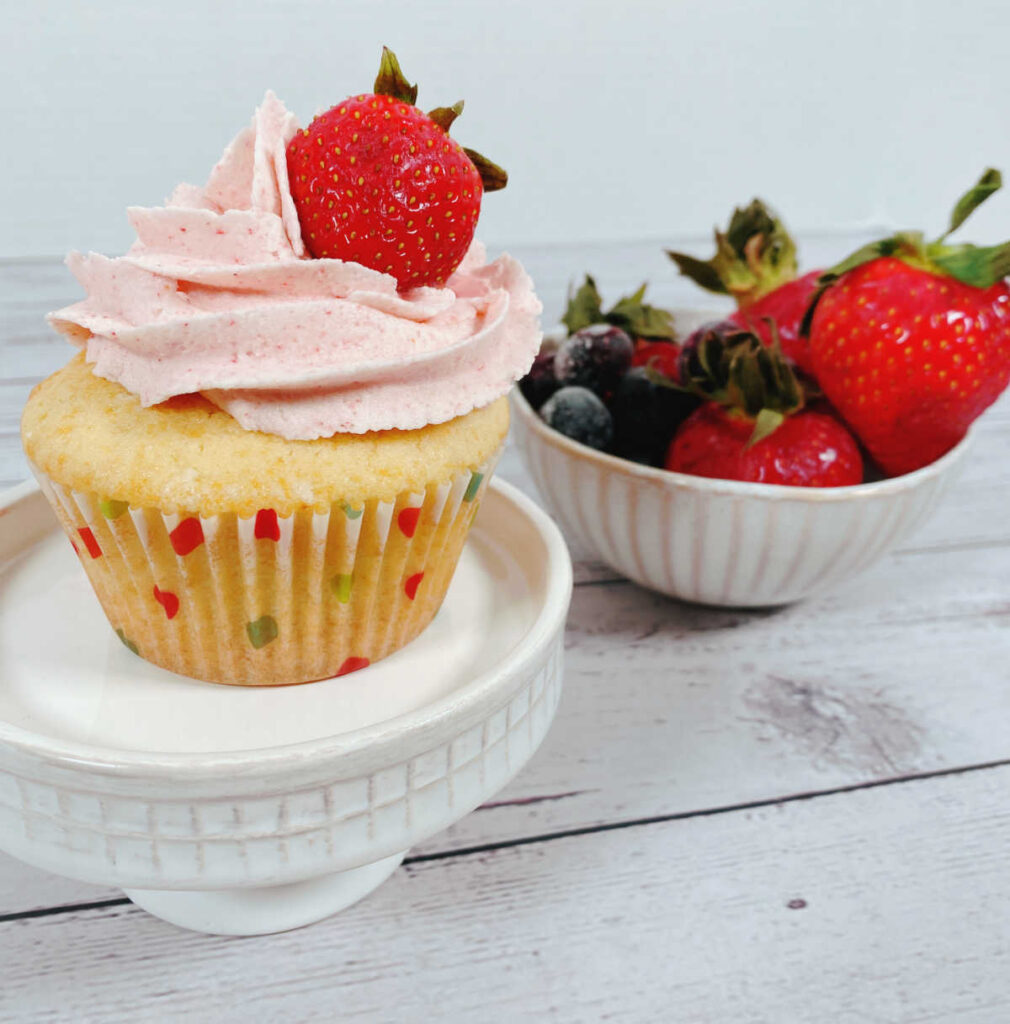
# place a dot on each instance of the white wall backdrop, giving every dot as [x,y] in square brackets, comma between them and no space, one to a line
[616,120]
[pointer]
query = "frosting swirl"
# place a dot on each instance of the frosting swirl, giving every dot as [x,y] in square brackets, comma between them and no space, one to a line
[219,296]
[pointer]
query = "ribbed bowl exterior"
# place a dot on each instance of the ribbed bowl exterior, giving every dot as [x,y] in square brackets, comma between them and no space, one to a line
[722,542]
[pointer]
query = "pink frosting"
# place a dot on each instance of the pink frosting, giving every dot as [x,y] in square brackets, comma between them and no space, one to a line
[218,295]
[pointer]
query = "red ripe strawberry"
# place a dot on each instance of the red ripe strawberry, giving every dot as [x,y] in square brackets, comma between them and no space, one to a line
[380,183]
[662,356]
[808,449]
[911,340]
[754,426]
[785,306]
[755,262]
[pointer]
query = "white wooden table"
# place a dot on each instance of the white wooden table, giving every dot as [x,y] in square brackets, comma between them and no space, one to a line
[800,815]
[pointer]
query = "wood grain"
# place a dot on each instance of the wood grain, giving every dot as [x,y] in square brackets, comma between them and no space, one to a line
[883,905]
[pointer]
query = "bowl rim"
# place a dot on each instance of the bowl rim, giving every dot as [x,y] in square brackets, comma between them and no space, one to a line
[669,478]
[435,722]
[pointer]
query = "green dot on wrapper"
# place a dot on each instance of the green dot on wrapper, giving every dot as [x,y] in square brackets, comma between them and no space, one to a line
[262,631]
[341,586]
[351,513]
[474,486]
[112,508]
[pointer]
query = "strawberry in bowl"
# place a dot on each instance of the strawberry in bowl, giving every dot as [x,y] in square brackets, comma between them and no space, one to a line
[818,424]
[910,340]
[755,424]
[755,263]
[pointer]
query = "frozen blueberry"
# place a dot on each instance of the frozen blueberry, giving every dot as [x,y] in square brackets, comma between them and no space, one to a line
[577,413]
[540,383]
[595,357]
[646,415]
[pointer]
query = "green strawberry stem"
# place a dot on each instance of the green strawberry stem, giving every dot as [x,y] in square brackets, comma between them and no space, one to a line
[391,81]
[740,373]
[444,116]
[631,313]
[975,265]
[754,256]
[492,176]
[991,181]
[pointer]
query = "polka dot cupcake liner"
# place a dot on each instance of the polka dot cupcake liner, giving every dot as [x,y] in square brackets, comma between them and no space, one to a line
[271,599]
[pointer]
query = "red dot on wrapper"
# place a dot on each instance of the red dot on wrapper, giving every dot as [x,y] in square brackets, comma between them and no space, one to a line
[267,527]
[77,550]
[352,665]
[187,536]
[410,587]
[168,601]
[407,520]
[89,542]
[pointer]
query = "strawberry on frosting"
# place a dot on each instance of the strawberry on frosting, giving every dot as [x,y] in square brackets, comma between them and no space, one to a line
[218,295]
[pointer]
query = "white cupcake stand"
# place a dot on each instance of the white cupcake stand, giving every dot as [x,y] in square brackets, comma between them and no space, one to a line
[243,811]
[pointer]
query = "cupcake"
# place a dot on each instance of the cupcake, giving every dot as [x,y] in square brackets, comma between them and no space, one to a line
[290,395]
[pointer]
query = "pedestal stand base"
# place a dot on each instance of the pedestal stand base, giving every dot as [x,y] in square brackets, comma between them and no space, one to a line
[277,908]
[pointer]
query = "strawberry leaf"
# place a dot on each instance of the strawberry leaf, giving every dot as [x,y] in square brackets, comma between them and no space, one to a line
[766,423]
[444,116]
[736,370]
[700,271]
[640,319]
[630,313]
[991,181]
[492,176]
[585,307]
[391,80]
[980,266]
[754,256]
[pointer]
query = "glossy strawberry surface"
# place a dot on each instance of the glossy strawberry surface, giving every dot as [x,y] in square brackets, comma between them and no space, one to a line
[786,305]
[808,449]
[377,182]
[910,358]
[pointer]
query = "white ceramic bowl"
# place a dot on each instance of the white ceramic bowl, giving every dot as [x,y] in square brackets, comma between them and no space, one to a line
[242,810]
[721,542]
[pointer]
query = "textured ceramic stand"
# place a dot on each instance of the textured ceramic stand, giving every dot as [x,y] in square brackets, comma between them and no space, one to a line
[241,811]
[272,908]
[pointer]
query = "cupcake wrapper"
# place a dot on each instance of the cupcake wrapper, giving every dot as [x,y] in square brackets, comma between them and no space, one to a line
[271,599]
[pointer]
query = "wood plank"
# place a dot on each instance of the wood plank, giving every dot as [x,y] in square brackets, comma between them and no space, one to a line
[878,905]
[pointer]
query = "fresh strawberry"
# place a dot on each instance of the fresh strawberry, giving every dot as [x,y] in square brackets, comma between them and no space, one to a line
[662,356]
[380,183]
[754,426]
[809,449]
[911,340]
[755,262]
[785,307]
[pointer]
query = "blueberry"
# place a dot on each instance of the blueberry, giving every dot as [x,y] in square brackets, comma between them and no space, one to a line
[646,415]
[595,357]
[540,383]
[577,413]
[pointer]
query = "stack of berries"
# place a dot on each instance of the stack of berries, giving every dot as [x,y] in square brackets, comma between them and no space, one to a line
[879,364]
